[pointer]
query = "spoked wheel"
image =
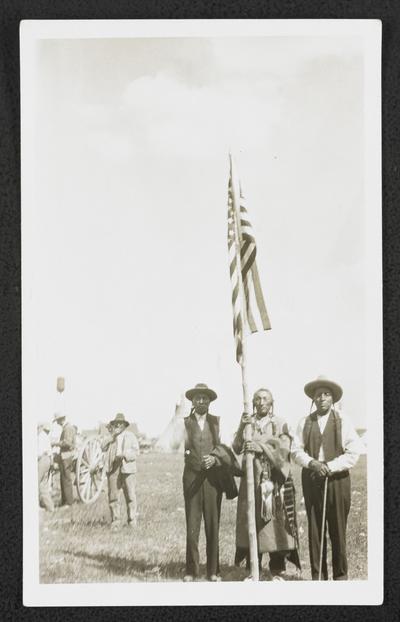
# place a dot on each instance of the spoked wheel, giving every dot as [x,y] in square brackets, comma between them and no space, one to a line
[90,470]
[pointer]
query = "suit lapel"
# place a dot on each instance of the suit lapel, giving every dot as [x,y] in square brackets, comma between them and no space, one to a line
[191,425]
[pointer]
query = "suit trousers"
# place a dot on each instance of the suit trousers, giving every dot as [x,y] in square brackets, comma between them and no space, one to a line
[45,499]
[202,499]
[66,481]
[338,502]
[126,482]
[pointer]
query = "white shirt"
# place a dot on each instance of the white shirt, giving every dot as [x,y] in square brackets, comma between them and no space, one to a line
[352,445]
[44,444]
[201,420]
[120,440]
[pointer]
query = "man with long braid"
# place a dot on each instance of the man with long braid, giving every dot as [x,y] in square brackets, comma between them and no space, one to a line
[274,490]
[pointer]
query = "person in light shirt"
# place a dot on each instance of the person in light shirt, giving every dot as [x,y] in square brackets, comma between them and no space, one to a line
[44,466]
[122,450]
[326,446]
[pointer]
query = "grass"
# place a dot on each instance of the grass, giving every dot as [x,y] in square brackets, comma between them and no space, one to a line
[76,546]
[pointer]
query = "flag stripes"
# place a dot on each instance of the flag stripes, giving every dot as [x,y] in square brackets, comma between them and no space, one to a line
[252,316]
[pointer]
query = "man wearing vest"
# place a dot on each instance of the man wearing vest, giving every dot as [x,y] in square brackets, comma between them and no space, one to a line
[66,459]
[327,446]
[200,483]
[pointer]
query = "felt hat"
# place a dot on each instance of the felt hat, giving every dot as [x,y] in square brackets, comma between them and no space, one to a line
[58,416]
[119,418]
[44,426]
[201,388]
[323,381]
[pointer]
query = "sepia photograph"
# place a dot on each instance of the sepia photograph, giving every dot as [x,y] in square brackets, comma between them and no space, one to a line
[202,377]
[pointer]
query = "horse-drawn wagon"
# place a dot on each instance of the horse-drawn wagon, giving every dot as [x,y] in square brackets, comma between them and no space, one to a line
[90,468]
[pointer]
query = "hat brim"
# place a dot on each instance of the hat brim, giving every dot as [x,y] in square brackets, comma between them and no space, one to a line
[115,421]
[192,392]
[335,389]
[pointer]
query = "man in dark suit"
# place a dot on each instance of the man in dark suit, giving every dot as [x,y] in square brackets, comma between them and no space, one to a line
[201,491]
[67,451]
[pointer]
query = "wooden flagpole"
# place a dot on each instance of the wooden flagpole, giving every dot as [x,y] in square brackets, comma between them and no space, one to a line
[251,506]
[247,432]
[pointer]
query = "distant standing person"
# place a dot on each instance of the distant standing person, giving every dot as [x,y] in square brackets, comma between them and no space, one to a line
[275,510]
[326,446]
[44,467]
[201,490]
[66,458]
[123,449]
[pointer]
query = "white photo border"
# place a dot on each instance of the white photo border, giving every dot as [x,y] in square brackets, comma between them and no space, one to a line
[369,592]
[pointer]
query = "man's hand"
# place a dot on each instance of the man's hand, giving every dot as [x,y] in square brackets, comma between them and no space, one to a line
[246,418]
[251,446]
[208,462]
[320,468]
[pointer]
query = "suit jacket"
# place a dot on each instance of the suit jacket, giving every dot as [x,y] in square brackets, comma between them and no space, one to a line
[228,468]
[67,441]
[122,453]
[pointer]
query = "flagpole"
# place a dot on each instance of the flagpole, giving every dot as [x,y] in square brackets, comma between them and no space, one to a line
[251,506]
[247,432]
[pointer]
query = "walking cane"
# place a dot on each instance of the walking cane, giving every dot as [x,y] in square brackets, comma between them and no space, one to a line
[321,551]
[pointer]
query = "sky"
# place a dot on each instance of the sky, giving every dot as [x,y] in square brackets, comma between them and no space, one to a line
[125,264]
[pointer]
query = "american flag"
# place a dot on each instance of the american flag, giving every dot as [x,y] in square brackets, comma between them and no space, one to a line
[251,316]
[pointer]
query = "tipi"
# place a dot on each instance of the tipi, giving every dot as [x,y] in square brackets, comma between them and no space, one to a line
[172,437]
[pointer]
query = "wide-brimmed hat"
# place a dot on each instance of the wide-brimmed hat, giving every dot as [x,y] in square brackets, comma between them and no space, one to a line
[201,388]
[119,418]
[323,381]
[58,416]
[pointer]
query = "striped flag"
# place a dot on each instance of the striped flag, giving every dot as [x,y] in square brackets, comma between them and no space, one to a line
[251,316]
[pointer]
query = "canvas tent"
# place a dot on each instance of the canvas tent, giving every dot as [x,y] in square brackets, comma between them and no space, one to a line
[172,437]
[363,435]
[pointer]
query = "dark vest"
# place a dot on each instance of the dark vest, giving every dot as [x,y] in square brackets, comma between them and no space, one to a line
[199,443]
[331,439]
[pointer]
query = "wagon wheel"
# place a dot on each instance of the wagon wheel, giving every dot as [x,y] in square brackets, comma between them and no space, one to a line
[90,470]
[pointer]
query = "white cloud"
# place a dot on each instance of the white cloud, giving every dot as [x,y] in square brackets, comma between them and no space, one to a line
[131,202]
[196,121]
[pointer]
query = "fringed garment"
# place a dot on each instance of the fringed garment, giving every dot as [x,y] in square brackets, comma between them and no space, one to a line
[275,495]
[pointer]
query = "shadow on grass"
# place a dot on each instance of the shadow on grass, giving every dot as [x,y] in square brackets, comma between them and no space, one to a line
[141,570]
[138,568]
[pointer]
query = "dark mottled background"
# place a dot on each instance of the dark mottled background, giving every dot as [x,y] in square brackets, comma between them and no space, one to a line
[11,12]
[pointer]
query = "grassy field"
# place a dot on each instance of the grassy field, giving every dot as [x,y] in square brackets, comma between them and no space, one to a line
[77,546]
